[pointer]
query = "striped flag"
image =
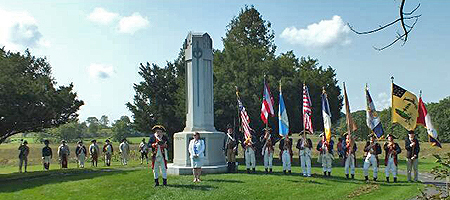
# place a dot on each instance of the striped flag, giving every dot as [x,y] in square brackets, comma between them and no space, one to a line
[267,104]
[326,114]
[372,119]
[307,112]
[424,119]
[351,126]
[245,120]
[283,121]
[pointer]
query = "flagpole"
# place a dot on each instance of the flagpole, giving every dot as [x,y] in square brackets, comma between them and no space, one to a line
[304,128]
[264,88]
[238,113]
[392,105]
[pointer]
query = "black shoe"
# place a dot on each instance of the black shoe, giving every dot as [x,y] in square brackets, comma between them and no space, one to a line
[366,178]
[325,173]
[254,170]
[228,167]
[353,176]
[270,170]
[165,182]
[395,179]
[375,179]
[387,179]
[248,171]
[284,171]
[329,173]
[156,182]
[290,172]
[267,171]
[346,176]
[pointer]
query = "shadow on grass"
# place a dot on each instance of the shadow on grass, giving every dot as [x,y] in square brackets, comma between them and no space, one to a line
[225,181]
[19,181]
[193,187]
[306,181]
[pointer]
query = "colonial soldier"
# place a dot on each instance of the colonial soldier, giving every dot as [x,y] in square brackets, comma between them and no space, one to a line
[412,155]
[81,153]
[230,149]
[47,155]
[371,151]
[94,150]
[24,150]
[392,150]
[249,149]
[143,148]
[124,149]
[108,150]
[304,146]
[159,143]
[326,154]
[63,153]
[267,150]
[350,149]
[286,153]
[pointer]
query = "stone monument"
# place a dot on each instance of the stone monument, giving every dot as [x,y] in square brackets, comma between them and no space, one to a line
[199,109]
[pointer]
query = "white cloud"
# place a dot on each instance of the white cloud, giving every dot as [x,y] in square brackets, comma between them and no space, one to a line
[322,35]
[100,71]
[383,101]
[19,30]
[101,16]
[132,23]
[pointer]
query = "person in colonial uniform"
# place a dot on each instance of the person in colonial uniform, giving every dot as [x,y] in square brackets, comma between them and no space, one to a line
[325,149]
[159,144]
[81,153]
[267,150]
[304,146]
[143,149]
[94,150]
[392,149]
[108,150]
[197,153]
[24,150]
[349,148]
[124,149]
[63,153]
[230,148]
[47,155]
[286,153]
[412,155]
[249,149]
[371,151]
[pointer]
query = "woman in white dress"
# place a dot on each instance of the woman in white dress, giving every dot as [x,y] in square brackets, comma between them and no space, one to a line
[196,150]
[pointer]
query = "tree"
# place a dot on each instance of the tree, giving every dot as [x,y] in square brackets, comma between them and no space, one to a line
[30,100]
[121,129]
[93,125]
[70,132]
[104,121]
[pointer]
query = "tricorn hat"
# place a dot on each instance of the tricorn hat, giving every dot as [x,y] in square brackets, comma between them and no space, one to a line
[107,140]
[393,136]
[159,127]
[411,132]
[63,141]
[229,126]
[345,134]
[25,142]
[94,140]
[80,142]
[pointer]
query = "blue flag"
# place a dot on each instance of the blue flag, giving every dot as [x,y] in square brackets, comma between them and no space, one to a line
[283,122]
[372,118]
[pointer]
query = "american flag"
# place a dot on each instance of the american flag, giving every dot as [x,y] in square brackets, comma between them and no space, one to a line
[245,120]
[307,112]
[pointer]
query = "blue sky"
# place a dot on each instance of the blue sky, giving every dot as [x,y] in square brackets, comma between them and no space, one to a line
[98,45]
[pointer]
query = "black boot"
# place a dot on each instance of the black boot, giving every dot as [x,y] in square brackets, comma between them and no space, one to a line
[329,173]
[156,182]
[290,172]
[270,170]
[267,171]
[229,169]
[374,179]
[366,178]
[254,170]
[325,173]
[165,182]
[346,176]
[395,179]
[248,171]
[284,171]
[353,176]
[387,179]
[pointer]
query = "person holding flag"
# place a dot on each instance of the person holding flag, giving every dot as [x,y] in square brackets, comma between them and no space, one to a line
[248,143]
[372,118]
[283,129]
[325,146]
[412,147]
[304,144]
[392,150]
[267,150]
[349,148]
[371,151]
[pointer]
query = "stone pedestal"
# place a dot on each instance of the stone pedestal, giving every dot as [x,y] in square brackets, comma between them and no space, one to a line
[199,109]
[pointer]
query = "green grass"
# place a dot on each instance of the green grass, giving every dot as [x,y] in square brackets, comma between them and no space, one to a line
[136,182]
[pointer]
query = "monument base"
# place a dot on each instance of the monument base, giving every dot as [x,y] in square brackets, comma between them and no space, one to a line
[182,170]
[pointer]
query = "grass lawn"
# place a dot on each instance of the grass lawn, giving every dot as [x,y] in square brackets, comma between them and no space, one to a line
[136,182]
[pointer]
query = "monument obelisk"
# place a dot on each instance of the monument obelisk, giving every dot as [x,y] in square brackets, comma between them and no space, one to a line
[199,109]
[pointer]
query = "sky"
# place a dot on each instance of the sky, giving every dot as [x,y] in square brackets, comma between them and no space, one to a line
[98,45]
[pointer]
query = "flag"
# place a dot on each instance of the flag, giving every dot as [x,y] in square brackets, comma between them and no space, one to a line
[351,126]
[245,120]
[267,104]
[307,112]
[404,107]
[326,114]
[424,119]
[372,119]
[283,121]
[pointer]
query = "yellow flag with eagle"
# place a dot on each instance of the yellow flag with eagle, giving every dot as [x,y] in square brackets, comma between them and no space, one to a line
[405,107]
